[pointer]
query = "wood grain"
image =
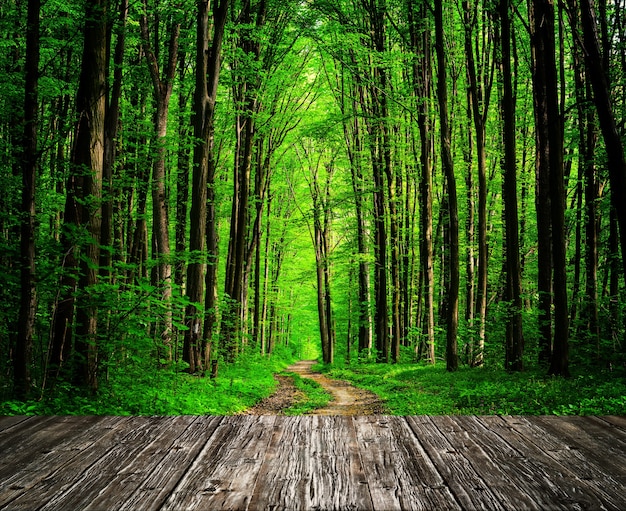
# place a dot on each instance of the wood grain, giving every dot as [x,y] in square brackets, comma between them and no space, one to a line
[315,462]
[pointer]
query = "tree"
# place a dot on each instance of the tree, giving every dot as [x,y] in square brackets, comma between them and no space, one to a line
[602,99]
[82,227]
[162,89]
[29,157]
[514,338]
[452,291]
[550,147]
[419,31]
[203,228]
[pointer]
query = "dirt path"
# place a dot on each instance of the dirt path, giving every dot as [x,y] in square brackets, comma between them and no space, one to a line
[347,399]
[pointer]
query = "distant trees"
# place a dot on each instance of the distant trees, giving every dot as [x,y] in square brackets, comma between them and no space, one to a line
[444,154]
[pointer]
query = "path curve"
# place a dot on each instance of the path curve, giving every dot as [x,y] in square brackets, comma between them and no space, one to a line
[346,398]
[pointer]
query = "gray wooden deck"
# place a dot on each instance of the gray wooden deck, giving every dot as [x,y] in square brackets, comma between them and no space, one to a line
[325,462]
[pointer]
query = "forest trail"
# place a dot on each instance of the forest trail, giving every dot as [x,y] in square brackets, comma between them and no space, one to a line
[346,398]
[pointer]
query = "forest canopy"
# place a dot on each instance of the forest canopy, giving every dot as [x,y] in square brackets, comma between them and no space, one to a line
[188,185]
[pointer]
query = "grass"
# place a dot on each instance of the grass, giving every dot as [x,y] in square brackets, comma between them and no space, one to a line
[412,389]
[162,392]
[314,395]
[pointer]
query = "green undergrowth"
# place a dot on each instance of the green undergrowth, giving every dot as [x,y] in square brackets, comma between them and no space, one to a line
[163,392]
[412,389]
[313,395]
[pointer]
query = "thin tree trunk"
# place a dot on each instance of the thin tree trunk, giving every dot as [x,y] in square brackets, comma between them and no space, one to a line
[160,205]
[515,339]
[549,138]
[201,321]
[602,99]
[452,316]
[29,157]
[422,76]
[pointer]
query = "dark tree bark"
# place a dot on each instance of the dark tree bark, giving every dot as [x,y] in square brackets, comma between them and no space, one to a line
[29,157]
[480,94]
[245,89]
[515,339]
[602,99]
[550,143]
[203,227]
[452,291]
[110,141]
[422,77]
[83,210]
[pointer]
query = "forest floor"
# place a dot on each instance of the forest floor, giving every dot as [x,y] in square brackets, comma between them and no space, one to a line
[346,398]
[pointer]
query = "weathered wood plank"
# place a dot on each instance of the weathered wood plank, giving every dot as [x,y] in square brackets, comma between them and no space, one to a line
[312,462]
[161,481]
[594,439]
[32,484]
[547,481]
[329,462]
[37,438]
[225,471]
[619,421]
[93,477]
[11,421]
[466,483]
[585,484]
[399,473]
[496,477]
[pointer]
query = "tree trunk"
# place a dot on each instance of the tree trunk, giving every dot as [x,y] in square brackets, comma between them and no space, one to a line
[602,99]
[549,138]
[160,201]
[29,157]
[452,291]
[87,161]
[422,76]
[203,228]
[515,339]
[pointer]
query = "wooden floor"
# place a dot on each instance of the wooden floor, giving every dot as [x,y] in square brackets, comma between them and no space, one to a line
[322,462]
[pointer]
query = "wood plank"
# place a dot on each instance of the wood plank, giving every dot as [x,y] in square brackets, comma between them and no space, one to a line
[466,483]
[587,485]
[545,480]
[39,436]
[22,432]
[91,468]
[496,476]
[94,477]
[38,480]
[312,463]
[399,472]
[594,439]
[616,422]
[11,421]
[161,481]
[225,471]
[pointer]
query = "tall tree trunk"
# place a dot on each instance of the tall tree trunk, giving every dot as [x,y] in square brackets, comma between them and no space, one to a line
[87,162]
[422,77]
[452,315]
[550,143]
[515,339]
[110,142]
[203,228]
[246,89]
[480,94]
[29,157]
[160,204]
[602,99]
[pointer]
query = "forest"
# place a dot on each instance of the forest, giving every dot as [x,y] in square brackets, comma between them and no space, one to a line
[194,194]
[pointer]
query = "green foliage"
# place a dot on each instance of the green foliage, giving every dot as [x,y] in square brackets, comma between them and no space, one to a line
[411,389]
[163,392]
